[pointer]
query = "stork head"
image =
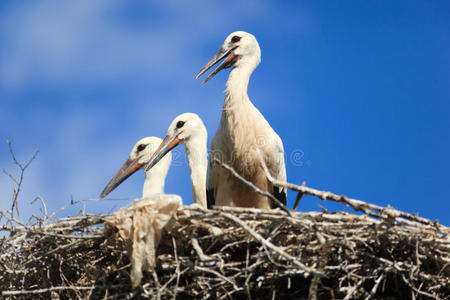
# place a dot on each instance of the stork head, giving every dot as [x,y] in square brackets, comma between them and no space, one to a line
[139,157]
[240,49]
[183,129]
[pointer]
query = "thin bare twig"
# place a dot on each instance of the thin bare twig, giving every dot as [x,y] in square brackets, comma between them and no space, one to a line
[254,187]
[43,205]
[18,182]
[375,287]
[298,198]
[51,289]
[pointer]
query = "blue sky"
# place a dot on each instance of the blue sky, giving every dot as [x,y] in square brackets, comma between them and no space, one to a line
[358,91]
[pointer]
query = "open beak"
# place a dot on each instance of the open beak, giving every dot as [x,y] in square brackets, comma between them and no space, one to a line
[167,144]
[128,168]
[226,63]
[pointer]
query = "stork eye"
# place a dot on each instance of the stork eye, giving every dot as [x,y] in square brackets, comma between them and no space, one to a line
[180,124]
[235,39]
[141,147]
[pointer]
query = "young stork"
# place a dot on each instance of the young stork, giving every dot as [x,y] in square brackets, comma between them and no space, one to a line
[242,131]
[141,223]
[139,157]
[187,129]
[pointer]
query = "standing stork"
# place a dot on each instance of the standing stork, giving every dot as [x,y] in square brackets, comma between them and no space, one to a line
[242,131]
[187,129]
[139,157]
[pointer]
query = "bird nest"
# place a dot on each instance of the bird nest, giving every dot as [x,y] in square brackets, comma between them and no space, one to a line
[233,253]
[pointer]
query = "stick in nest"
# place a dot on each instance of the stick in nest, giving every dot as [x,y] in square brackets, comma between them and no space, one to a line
[271,246]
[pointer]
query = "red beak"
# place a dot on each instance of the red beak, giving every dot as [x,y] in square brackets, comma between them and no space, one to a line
[231,58]
[166,145]
[128,168]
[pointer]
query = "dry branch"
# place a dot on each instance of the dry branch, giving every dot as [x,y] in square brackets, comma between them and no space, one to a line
[18,182]
[254,187]
[358,205]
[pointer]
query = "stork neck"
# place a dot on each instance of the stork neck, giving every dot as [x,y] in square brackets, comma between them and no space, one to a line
[153,184]
[197,161]
[237,85]
[156,177]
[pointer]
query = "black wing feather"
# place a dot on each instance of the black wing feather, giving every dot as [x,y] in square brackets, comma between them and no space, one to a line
[280,194]
[210,198]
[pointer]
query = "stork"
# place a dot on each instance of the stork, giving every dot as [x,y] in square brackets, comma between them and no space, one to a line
[187,129]
[243,131]
[139,157]
[141,223]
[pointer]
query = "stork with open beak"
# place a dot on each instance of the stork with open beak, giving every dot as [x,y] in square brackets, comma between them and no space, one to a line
[139,157]
[242,131]
[187,129]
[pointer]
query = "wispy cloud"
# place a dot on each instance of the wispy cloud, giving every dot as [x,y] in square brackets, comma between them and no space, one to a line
[54,42]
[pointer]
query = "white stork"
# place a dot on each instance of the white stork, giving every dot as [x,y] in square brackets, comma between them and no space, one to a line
[139,157]
[140,224]
[187,129]
[242,131]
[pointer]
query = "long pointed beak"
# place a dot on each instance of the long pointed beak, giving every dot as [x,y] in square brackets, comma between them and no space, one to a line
[128,168]
[231,58]
[167,144]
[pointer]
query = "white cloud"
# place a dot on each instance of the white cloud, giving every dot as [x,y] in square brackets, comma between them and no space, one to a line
[54,42]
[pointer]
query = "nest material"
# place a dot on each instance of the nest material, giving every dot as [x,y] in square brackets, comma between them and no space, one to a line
[233,253]
[140,226]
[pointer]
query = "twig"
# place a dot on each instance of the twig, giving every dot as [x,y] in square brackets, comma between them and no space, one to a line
[298,198]
[417,290]
[157,284]
[44,205]
[40,291]
[72,203]
[354,288]
[375,287]
[313,287]
[18,187]
[199,250]
[271,246]
[254,187]
[218,275]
